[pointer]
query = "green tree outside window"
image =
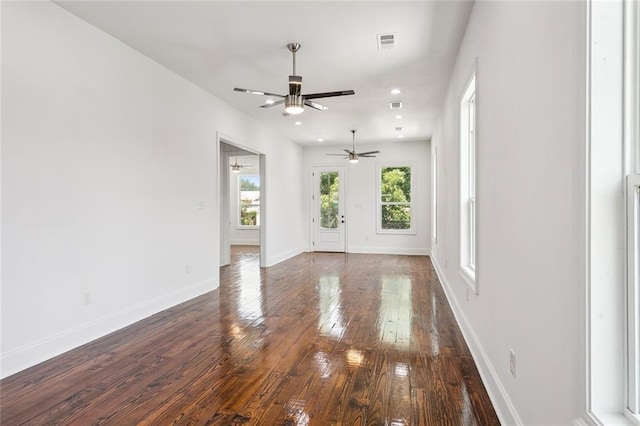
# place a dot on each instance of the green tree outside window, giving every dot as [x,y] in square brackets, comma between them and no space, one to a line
[249,200]
[329,185]
[395,197]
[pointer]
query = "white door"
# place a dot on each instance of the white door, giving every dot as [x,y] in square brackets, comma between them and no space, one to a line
[329,220]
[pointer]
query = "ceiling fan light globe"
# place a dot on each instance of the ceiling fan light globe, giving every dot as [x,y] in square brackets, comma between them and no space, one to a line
[353,161]
[294,110]
[293,104]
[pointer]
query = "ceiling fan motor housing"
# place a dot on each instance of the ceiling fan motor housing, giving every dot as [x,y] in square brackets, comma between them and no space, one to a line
[294,102]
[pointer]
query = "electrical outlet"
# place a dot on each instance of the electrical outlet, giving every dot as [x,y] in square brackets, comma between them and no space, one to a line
[512,362]
[86,298]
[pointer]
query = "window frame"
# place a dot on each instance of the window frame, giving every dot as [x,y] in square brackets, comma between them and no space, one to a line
[434,195]
[632,196]
[240,205]
[633,297]
[379,203]
[468,183]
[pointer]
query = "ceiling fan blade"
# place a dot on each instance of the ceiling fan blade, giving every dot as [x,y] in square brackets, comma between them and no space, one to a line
[257,92]
[329,94]
[368,152]
[348,152]
[315,105]
[280,102]
[366,156]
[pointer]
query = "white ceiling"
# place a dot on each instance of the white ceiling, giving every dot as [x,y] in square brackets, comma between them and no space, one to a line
[219,45]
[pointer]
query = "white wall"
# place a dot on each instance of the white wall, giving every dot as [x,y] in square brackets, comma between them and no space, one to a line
[361,195]
[106,156]
[530,133]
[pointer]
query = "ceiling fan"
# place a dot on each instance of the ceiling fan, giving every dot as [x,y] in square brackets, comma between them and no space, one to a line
[352,155]
[235,167]
[294,102]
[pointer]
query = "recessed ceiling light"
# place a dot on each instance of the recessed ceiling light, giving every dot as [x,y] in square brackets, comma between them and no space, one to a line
[395,91]
[400,136]
[320,140]
[269,101]
[398,117]
[298,123]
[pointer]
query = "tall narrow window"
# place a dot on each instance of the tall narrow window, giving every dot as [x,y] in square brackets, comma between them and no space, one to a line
[633,294]
[434,196]
[468,200]
[394,200]
[632,137]
[249,214]
[613,284]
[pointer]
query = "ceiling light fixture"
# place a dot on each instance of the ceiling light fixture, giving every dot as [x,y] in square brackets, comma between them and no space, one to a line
[293,104]
[320,140]
[398,117]
[269,101]
[354,156]
[395,91]
[298,123]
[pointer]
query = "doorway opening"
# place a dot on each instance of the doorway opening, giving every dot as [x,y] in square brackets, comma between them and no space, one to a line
[242,213]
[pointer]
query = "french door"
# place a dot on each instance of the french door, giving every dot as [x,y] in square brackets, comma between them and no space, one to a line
[328,219]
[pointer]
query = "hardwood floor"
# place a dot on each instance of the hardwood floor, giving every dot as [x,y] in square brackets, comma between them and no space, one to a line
[320,339]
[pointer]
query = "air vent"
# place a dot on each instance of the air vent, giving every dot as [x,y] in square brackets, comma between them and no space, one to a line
[395,105]
[386,41]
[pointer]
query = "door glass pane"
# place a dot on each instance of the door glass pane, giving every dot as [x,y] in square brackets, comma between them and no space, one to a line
[329,185]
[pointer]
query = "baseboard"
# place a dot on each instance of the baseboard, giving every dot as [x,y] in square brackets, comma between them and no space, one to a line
[283,256]
[583,421]
[244,243]
[390,250]
[497,393]
[47,348]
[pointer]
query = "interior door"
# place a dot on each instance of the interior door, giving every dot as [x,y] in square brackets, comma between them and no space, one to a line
[329,221]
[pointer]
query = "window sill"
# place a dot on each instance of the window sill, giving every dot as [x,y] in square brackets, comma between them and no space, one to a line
[606,419]
[396,232]
[246,228]
[469,277]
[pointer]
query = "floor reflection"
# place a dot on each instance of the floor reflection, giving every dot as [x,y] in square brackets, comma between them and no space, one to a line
[395,312]
[250,299]
[330,322]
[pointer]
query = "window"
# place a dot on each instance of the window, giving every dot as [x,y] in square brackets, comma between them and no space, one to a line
[394,200]
[434,196]
[468,200]
[632,138]
[633,293]
[612,255]
[249,205]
